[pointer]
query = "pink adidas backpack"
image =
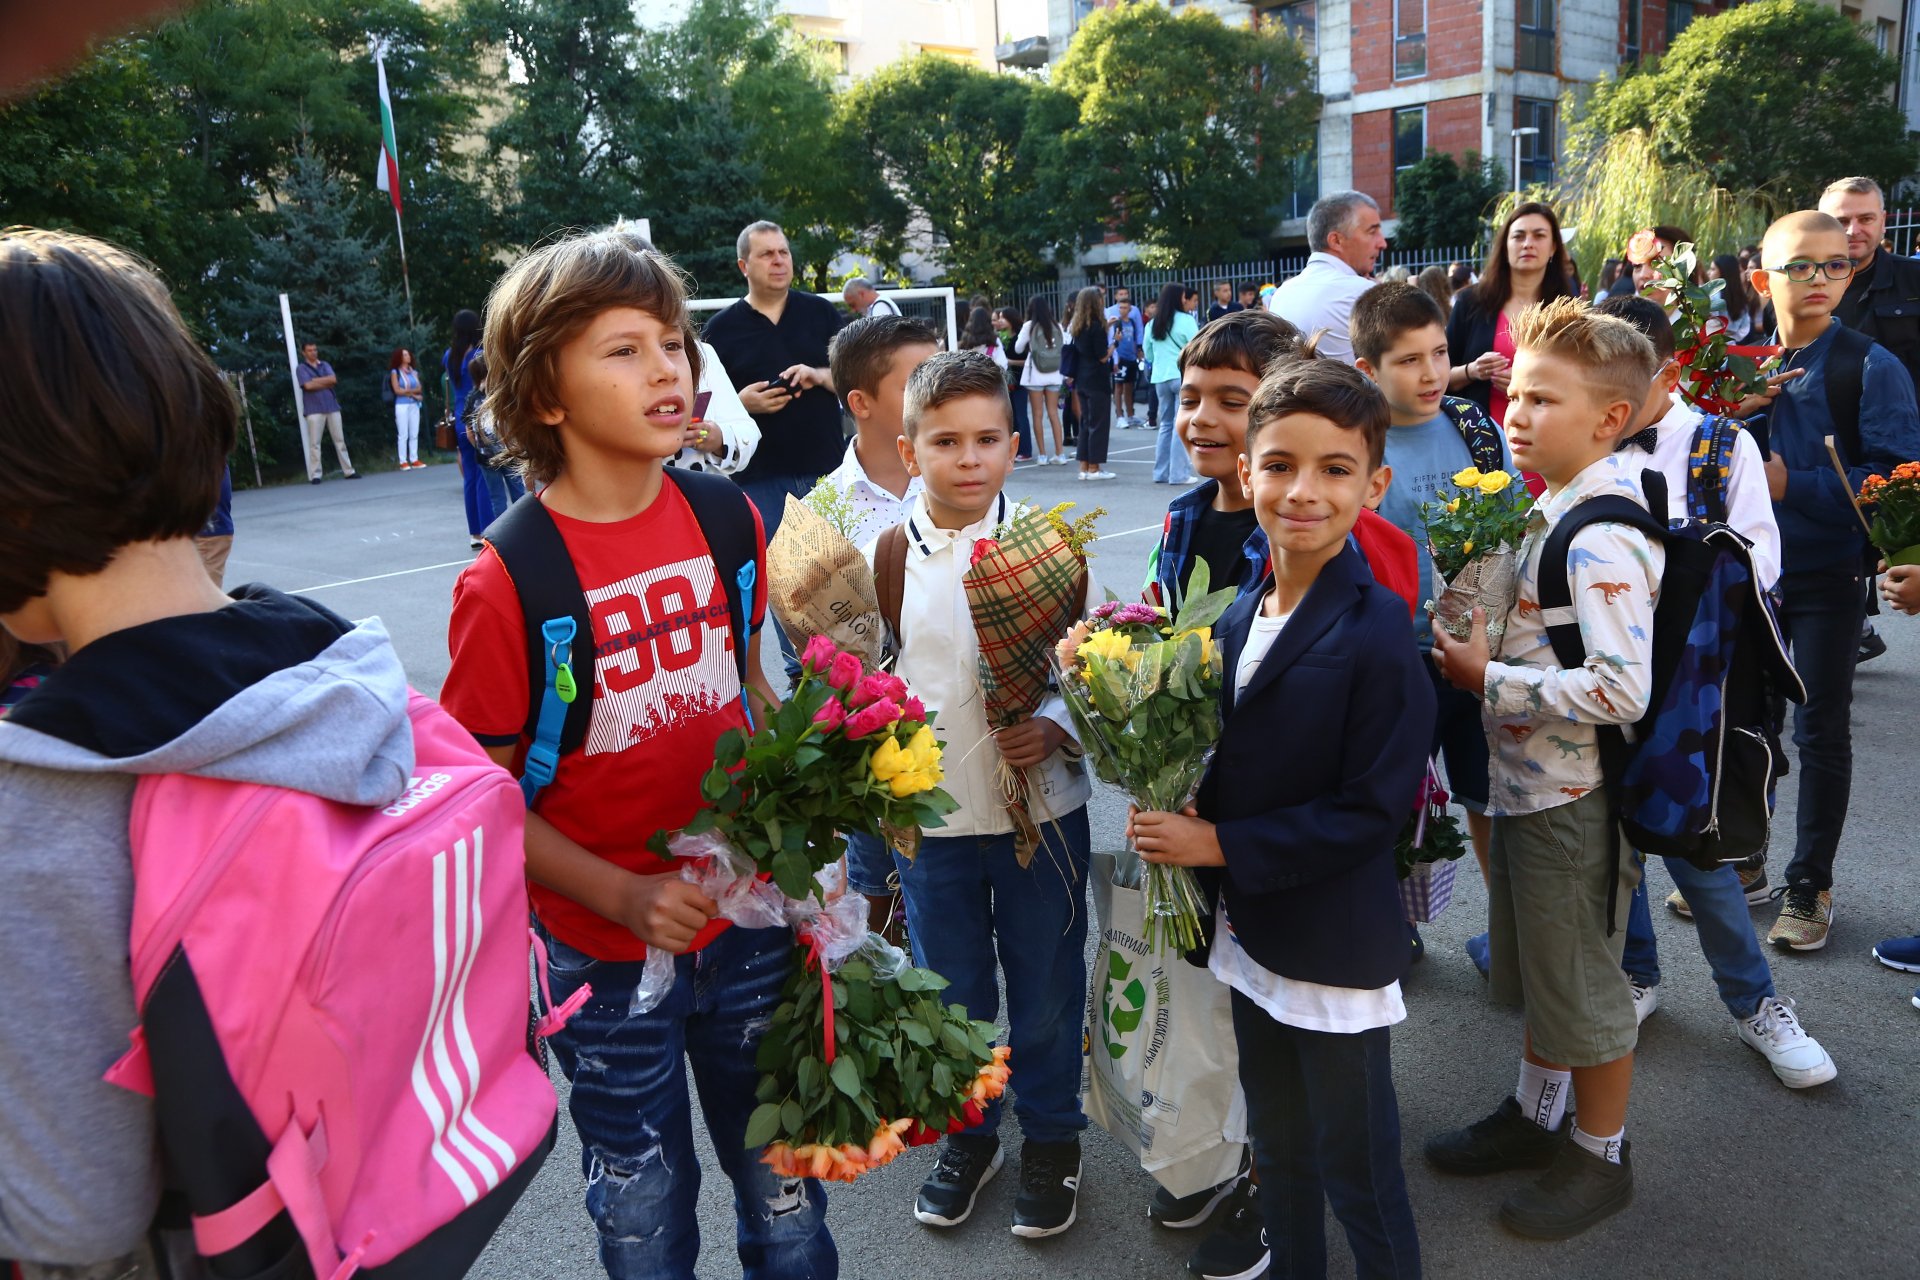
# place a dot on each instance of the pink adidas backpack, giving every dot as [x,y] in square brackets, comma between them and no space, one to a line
[334,1014]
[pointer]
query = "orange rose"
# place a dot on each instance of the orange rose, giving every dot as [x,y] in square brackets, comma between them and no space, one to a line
[1642,247]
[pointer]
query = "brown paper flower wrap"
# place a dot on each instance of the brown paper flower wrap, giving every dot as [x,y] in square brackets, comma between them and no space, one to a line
[819,584]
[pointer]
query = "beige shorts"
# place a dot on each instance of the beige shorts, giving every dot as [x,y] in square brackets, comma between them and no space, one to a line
[1548,879]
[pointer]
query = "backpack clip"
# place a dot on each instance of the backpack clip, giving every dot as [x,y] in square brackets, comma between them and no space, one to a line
[543,756]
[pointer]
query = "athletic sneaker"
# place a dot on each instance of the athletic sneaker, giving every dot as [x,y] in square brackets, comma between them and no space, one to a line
[1419,945]
[1504,1140]
[1049,1188]
[1480,951]
[1179,1213]
[1104,474]
[1916,998]
[1900,953]
[1753,883]
[1805,918]
[1237,1248]
[1646,1001]
[1579,1190]
[1871,646]
[965,1165]
[1776,1035]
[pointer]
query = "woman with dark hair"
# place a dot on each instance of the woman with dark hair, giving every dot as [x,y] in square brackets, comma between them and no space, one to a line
[1006,323]
[1173,327]
[1734,301]
[1041,341]
[404,381]
[456,381]
[978,335]
[1526,265]
[1092,380]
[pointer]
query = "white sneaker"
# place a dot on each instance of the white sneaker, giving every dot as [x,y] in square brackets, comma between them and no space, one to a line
[1776,1035]
[1083,475]
[1645,1001]
[1103,475]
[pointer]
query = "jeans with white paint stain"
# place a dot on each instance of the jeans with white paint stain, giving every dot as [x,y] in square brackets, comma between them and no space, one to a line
[631,1106]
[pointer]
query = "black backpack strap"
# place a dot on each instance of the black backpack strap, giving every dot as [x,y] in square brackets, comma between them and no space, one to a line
[725,517]
[1846,375]
[1477,432]
[535,556]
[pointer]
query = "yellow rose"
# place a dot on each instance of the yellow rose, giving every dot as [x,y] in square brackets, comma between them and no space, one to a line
[1467,479]
[1454,505]
[889,761]
[1111,645]
[910,783]
[1467,550]
[923,750]
[1494,481]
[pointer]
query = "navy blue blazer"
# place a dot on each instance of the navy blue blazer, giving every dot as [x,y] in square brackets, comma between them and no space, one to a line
[1317,771]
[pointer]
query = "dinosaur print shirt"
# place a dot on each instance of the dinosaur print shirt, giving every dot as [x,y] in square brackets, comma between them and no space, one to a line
[1541,717]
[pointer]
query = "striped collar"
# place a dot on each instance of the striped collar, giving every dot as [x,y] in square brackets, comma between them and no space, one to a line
[925,538]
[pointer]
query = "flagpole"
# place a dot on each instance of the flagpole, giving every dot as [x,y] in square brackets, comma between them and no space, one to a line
[405,283]
[389,170]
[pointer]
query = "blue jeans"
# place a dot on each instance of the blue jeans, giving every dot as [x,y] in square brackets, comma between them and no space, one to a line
[1170,464]
[967,896]
[503,488]
[1326,1131]
[1821,613]
[473,486]
[769,495]
[1719,909]
[630,1106]
[869,864]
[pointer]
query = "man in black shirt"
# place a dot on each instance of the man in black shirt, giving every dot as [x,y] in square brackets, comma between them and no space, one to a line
[774,345]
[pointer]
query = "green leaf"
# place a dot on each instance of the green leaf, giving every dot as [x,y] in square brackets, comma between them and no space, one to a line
[791,1117]
[807,1077]
[763,1125]
[917,1031]
[846,1076]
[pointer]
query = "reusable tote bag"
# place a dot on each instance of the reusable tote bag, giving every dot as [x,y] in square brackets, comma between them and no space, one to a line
[1162,1071]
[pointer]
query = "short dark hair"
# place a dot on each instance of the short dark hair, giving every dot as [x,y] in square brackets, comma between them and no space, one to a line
[1246,340]
[1248,286]
[1307,382]
[1384,312]
[861,353]
[950,376]
[1645,315]
[115,424]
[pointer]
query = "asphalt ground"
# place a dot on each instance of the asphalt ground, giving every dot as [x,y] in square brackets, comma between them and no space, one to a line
[1736,1175]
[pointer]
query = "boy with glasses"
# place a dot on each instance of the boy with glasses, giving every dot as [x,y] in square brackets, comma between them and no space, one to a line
[1803,271]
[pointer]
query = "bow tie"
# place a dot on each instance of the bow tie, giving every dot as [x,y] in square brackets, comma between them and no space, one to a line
[1642,439]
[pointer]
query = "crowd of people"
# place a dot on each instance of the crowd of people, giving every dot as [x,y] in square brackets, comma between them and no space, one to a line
[1308,433]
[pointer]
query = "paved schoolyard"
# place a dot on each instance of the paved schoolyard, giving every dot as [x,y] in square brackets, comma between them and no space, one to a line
[1736,1175]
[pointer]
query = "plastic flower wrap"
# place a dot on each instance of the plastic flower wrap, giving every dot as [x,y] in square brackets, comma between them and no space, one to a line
[1716,376]
[1474,535]
[1896,520]
[1144,692]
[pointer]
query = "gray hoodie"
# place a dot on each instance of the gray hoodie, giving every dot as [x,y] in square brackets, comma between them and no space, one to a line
[79,1166]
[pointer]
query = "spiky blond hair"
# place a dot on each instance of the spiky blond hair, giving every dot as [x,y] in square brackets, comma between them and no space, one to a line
[1616,358]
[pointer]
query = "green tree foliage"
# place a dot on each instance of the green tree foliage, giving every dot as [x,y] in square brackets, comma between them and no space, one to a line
[341,299]
[1187,125]
[970,154]
[1780,96]
[1442,202]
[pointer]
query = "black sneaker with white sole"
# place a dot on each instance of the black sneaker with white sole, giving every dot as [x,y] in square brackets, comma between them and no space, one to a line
[1049,1189]
[1179,1213]
[965,1165]
[1237,1248]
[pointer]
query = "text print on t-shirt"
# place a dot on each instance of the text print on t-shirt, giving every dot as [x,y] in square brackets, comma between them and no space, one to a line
[663,652]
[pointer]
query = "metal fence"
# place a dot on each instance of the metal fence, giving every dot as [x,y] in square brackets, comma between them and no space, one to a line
[1903,228]
[937,306]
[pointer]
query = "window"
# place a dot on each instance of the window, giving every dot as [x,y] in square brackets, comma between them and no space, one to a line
[1409,39]
[1631,53]
[1679,16]
[1883,35]
[1082,10]
[1533,46]
[840,56]
[1409,137]
[1304,180]
[1302,22]
[1535,151]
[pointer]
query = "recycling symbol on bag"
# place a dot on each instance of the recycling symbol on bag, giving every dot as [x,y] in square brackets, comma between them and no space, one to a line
[1121,1007]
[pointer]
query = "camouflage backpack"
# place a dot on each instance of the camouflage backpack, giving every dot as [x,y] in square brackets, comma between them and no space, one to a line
[1694,778]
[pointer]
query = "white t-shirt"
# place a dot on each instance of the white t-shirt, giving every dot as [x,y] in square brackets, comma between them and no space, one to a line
[1311,1006]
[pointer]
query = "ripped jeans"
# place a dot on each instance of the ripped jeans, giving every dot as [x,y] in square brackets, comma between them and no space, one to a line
[631,1107]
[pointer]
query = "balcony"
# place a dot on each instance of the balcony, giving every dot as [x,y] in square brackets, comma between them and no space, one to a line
[832,9]
[1030,52]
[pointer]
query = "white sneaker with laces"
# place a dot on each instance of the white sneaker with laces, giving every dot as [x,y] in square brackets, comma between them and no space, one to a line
[1103,475]
[1645,1001]
[1776,1035]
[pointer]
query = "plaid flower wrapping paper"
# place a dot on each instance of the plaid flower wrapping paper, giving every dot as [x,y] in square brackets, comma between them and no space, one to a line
[1020,589]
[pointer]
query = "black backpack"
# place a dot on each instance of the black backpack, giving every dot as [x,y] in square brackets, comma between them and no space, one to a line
[555,607]
[1697,779]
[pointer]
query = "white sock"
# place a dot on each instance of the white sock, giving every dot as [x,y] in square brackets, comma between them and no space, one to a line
[1542,1094]
[1607,1149]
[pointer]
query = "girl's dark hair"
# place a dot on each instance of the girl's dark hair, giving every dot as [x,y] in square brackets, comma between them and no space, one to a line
[1496,278]
[1171,296]
[1040,316]
[393,362]
[466,336]
[978,331]
[1739,301]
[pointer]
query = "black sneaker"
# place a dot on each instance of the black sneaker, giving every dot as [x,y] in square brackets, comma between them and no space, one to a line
[965,1165]
[1182,1212]
[1579,1190]
[1049,1188]
[1237,1248]
[1504,1140]
[1871,646]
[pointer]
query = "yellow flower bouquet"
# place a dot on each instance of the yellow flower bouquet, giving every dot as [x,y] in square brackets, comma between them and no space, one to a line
[1474,535]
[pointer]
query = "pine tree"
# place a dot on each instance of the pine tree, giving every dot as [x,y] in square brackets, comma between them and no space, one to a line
[335,288]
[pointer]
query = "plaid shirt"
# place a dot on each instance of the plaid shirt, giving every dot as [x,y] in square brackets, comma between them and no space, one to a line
[1541,717]
[1172,561]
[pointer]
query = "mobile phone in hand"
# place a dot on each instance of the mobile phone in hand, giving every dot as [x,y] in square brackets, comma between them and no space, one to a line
[700,403]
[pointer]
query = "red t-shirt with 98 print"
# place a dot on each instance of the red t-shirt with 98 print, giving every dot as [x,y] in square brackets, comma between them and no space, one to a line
[666,687]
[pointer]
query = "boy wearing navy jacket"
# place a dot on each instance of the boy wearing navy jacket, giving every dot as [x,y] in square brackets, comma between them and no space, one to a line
[1299,849]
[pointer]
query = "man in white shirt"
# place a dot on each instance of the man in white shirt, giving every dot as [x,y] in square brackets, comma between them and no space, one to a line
[865,300]
[1343,230]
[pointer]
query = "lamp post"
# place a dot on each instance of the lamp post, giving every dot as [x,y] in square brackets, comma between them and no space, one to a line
[1527,131]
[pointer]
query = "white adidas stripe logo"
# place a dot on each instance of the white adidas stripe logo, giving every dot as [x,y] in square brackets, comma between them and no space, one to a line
[456,941]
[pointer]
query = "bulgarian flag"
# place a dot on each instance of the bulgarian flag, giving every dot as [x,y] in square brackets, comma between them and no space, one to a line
[388,178]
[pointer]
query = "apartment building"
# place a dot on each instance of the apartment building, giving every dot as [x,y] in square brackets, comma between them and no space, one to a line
[869,34]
